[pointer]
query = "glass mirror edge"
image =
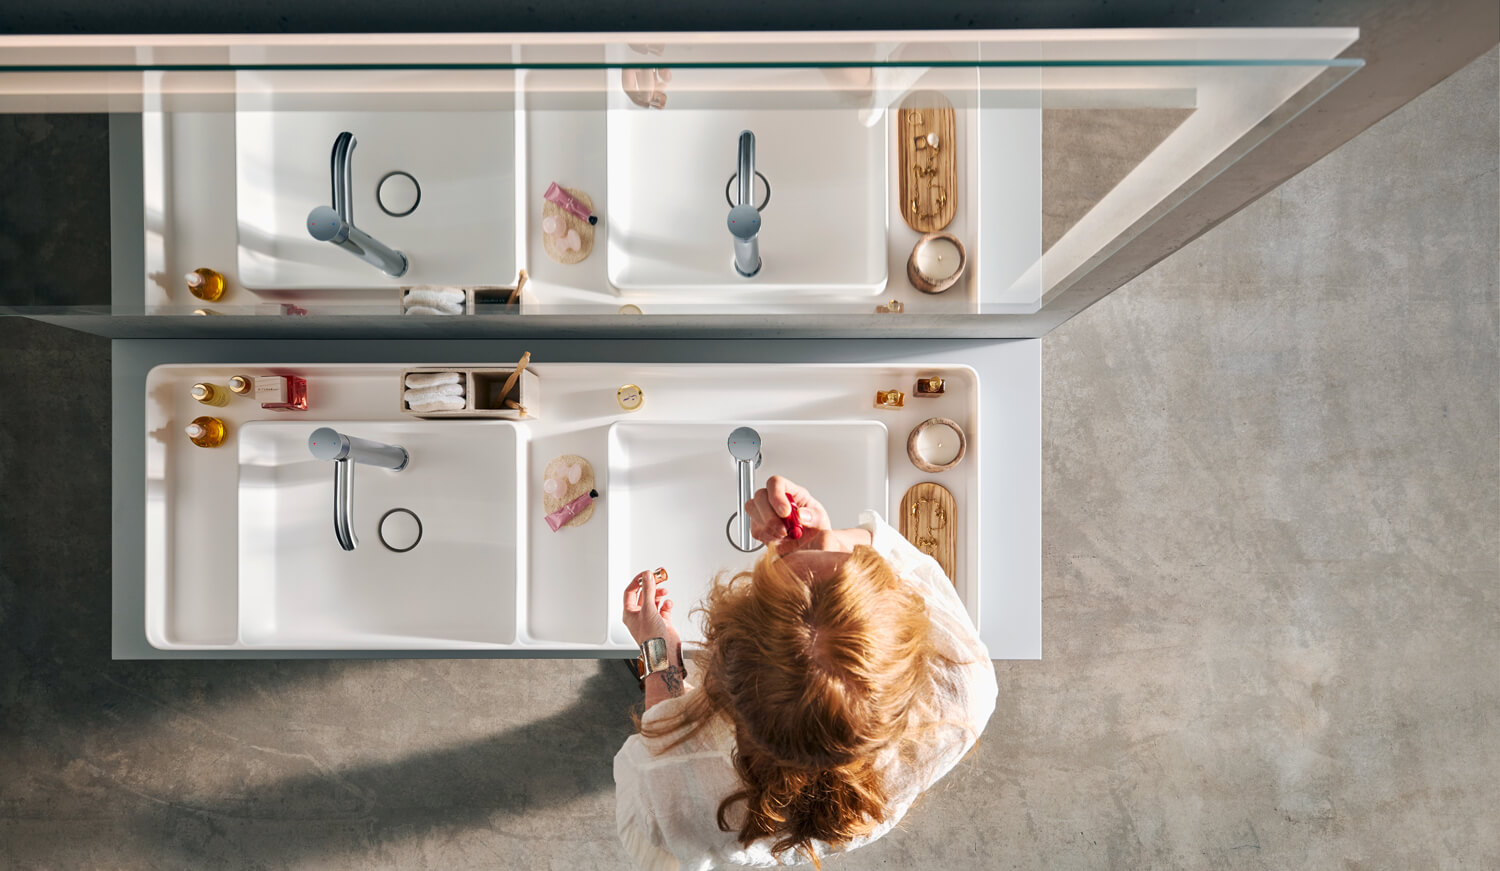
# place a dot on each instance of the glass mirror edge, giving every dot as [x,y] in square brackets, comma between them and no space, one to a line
[982,309]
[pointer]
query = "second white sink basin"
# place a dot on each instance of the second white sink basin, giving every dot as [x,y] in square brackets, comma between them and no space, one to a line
[823,231]
[456,588]
[672,490]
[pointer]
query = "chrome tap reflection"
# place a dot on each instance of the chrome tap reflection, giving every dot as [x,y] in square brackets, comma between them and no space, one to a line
[336,224]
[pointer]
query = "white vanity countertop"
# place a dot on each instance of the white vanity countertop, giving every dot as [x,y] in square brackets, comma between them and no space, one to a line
[186,577]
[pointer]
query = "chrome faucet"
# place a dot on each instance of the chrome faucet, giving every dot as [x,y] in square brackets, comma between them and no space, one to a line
[336,224]
[327,443]
[744,446]
[744,217]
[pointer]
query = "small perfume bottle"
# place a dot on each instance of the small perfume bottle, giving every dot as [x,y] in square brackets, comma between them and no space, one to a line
[206,284]
[206,432]
[281,392]
[243,385]
[208,394]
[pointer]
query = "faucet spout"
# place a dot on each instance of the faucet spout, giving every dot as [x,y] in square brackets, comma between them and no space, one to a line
[744,217]
[327,443]
[343,497]
[747,168]
[341,170]
[744,446]
[336,224]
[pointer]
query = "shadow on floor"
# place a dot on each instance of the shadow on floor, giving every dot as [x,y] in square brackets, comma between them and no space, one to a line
[336,814]
[293,822]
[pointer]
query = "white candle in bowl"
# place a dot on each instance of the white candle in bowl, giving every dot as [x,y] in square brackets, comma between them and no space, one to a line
[938,444]
[938,259]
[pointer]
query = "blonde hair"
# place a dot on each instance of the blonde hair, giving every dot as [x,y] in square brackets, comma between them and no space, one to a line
[817,679]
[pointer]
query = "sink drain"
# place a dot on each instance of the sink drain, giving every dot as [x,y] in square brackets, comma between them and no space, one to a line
[764,185]
[397,193]
[400,530]
[729,534]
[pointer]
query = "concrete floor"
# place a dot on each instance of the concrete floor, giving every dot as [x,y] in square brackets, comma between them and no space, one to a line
[1272,596]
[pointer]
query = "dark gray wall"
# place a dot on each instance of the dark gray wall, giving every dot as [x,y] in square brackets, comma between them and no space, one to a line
[512,16]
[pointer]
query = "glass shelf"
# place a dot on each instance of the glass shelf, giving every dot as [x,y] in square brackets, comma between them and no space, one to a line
[1064,146]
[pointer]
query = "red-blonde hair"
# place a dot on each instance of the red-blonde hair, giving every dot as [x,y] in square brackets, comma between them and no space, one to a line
[817,679]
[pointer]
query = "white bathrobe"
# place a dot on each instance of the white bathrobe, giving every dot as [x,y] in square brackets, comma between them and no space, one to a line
[666,801]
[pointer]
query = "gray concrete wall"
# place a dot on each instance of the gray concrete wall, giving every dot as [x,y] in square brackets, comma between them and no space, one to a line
[1272,622]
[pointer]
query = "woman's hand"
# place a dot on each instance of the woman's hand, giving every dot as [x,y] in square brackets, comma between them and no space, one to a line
[773,503]
[648,614]
[648,611]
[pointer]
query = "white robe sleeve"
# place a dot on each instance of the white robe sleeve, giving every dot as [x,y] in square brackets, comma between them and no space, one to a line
[634,820]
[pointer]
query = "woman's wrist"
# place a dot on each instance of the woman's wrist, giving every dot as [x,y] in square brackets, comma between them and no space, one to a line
[669,679]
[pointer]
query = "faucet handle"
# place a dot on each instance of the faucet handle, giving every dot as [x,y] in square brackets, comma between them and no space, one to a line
[744,221]
[744,445]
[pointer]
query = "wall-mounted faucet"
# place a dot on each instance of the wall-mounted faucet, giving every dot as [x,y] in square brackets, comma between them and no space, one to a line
[327,443]
[744,446]
[744,215]
[336,224]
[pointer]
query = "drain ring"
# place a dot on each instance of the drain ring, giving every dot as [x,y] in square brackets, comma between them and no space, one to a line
[763,203]
[387,516]
[380,189]
[730,535]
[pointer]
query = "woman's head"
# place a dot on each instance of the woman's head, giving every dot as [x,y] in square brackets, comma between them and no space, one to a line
[817,661]
[817,671]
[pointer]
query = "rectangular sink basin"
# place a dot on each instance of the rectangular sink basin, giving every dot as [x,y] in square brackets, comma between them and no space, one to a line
[672,492]
[823,231]
[456,588]
[463,230]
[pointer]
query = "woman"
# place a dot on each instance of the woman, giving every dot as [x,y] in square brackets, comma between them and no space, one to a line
[840,678]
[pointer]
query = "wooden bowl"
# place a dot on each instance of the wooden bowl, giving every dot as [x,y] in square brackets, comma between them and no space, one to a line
[915,454]
[928,285]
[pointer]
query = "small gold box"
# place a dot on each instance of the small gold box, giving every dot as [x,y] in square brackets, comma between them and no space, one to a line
[890,399]
[929,387]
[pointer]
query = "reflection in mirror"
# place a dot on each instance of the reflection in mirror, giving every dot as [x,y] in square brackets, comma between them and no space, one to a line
[555,176]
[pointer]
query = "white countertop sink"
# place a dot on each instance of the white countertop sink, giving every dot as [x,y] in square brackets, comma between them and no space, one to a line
[823,232]
[674,489]
[462,232]
[456,588]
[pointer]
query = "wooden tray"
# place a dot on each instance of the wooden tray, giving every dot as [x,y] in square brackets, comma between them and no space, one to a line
[928,177]
[929,520]
[480,388]
[479,298]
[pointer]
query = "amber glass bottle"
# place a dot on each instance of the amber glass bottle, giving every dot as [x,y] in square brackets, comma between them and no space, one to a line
[206,284]
[207,432]
[208,394]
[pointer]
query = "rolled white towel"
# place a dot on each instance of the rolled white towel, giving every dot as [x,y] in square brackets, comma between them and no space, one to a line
[435,392]
[425,310]
[430,294]
[432,379]
[440,403]
[442,308]
[434,295]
